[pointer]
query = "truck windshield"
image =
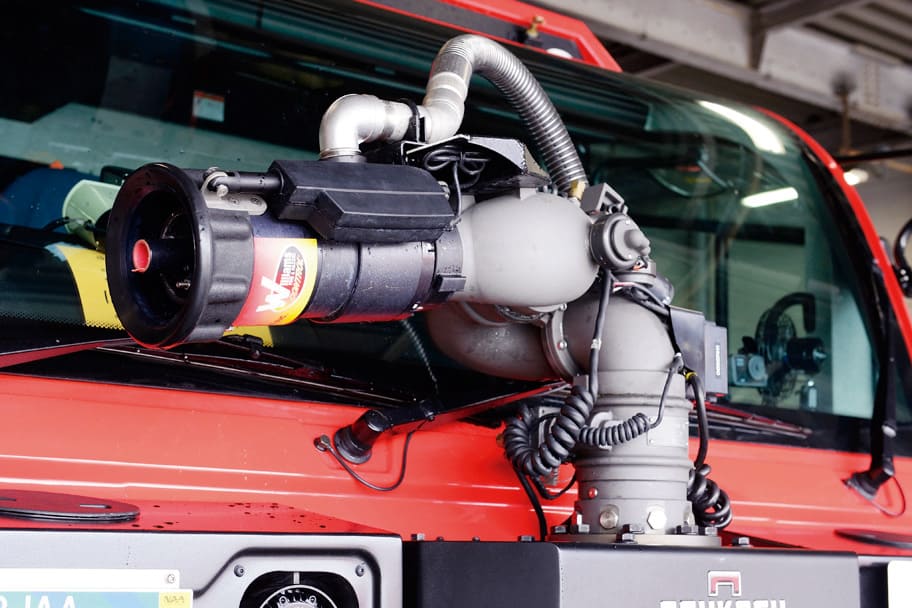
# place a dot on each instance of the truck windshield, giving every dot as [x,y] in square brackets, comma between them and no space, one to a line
[738,217]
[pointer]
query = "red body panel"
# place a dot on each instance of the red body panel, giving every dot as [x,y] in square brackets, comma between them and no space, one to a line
[180,449]
[522,14]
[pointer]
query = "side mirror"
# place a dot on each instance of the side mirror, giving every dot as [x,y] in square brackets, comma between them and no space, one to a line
[900,262]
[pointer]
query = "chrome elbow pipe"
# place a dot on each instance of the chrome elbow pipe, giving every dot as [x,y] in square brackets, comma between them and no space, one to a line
[356,119]
[353,120]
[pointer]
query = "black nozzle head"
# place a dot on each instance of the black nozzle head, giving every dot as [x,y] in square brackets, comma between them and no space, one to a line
[177,270]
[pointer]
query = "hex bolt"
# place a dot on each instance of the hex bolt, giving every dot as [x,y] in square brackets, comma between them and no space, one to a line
[656,518]
[741,541]
[170,579]
[360,569]
[239,570]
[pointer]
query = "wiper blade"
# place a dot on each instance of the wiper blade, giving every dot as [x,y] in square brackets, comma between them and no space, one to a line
[749,423]
[272,368]
[40,353]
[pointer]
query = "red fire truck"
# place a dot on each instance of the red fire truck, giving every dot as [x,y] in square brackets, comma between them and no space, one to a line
[362,304]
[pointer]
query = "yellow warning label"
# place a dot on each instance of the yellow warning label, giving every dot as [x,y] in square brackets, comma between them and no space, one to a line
[88,268]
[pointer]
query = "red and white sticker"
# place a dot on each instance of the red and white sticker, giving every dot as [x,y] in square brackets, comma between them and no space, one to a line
[284,275]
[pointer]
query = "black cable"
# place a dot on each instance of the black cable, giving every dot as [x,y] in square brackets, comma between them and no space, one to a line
[546,494]
[469,163]
[702,420]
[646,295]
[677,364]
[596,345]
[57,223]
[324,444]
[536,505]
[711,504]
[422,352]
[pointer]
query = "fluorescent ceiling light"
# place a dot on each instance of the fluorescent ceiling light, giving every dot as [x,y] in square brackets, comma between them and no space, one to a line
[770,197]
[856,176]
[762,136]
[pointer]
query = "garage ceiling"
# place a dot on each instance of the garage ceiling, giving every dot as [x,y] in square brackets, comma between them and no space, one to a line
[813,61]
[884,25]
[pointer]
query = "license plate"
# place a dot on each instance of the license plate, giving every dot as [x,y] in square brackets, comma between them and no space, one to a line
[96,599]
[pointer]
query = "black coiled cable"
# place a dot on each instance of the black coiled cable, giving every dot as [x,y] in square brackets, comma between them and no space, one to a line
[559,441]
[563,435]
[607,436]
[711,505]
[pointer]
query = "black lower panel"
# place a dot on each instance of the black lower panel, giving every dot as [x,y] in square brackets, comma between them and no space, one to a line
[539,575]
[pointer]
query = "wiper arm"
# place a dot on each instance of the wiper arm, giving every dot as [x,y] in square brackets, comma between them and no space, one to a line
[883,418]
[354,442]
[750,423]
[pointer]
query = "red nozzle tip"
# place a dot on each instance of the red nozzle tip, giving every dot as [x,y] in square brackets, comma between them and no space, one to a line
[142,256]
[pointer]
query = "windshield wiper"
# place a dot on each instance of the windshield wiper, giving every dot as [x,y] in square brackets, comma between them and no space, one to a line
[740,421]
[40,353]
[244,356]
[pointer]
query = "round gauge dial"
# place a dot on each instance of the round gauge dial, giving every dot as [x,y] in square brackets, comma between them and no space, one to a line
[298,596]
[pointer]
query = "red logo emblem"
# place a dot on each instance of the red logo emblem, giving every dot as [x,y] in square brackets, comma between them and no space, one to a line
[724,578]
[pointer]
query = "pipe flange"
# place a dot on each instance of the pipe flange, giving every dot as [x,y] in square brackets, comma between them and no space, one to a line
[556,347]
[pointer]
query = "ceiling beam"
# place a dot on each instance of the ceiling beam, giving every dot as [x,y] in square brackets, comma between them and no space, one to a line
[796,63]
[855,30]
[796,12]
[783,13]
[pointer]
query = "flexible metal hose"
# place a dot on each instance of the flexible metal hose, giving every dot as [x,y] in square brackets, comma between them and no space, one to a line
[448,83]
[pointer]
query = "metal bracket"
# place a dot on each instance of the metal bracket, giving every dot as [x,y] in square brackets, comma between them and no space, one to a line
[220,198]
